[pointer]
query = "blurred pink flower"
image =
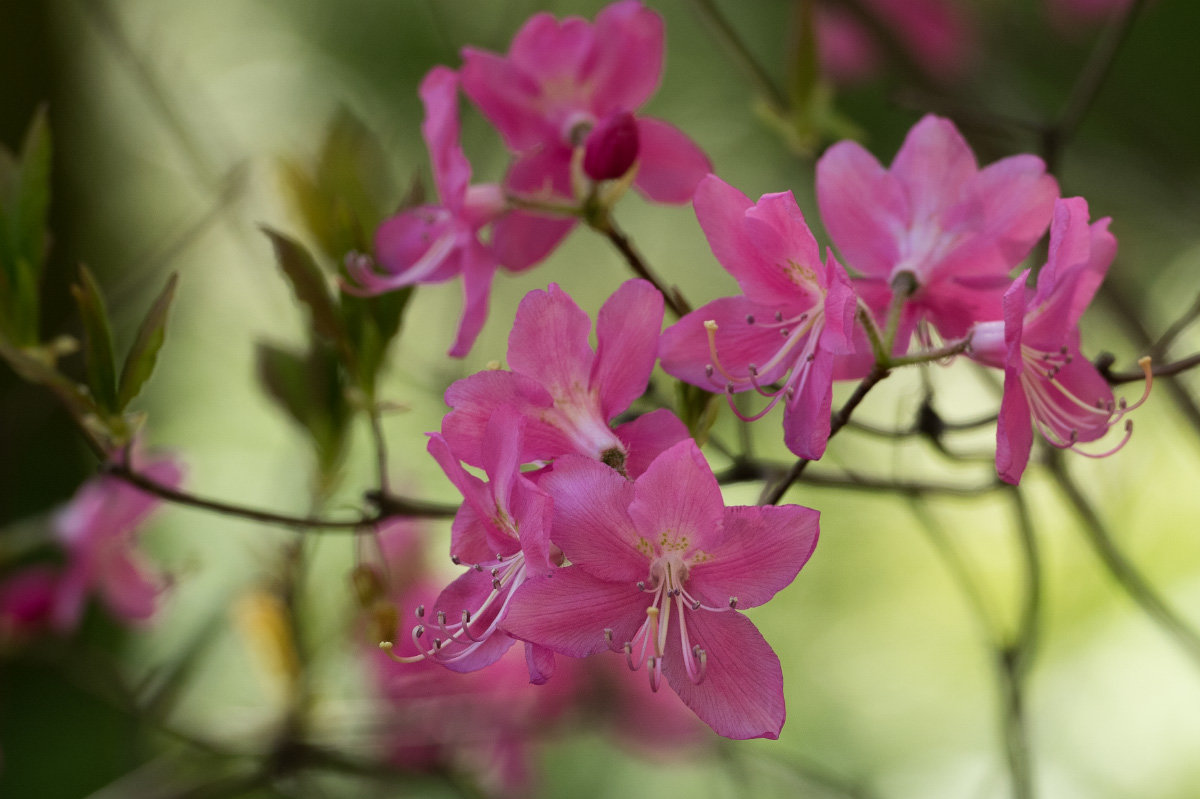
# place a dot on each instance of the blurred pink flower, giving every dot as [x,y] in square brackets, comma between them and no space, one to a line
[658,568]
[1048,384]
[435,243]
[795,314]
[563,79]
[936,34]
[97,529]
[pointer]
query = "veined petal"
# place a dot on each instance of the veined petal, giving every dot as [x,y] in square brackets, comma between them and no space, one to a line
[569,610]
[468,592]
[763,551]
[1014,431]
[744,336]
[627,330]
[592,525]
[677,505]
[522,240]
[647,437]
[862,207]
[776,229]
[476,397]
[670,164]
[549,51]
[741,695]
[1018,201]
[934,165]
[549,342]
[806,417]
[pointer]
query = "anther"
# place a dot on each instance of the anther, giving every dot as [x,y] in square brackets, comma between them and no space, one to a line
[696,605]
[441,617]
[749,318]
[466,617]
[418,631]
[753,368]
[641,585]
[783,331]
[477,567]
[495,571]
[779,316]
[708,370]
[455,560]
[608,634]
[420,611]
[733,602]
[496,583]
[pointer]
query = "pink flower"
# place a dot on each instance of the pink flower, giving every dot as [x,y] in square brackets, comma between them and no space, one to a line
[27,600]
[97,531]
[957,230]
[562,79]
[435,243]
[503,532]
[566,391]
[780,337]
[936,34]
[658,568]
[1048,384]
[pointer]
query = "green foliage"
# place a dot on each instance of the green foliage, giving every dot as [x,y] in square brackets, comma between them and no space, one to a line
[143,353]
[698,409]
[97,341]
[310,286]
[310,388]
[24,204]
[344,198]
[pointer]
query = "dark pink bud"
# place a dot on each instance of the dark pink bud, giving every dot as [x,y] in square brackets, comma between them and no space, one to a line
[611,147]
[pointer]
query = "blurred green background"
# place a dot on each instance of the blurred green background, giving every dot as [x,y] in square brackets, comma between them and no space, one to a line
[171,121]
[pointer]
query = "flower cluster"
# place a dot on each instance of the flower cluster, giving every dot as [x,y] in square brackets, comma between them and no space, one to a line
[584,535]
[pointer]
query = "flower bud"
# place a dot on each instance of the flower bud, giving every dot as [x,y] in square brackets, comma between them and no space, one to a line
[611,147]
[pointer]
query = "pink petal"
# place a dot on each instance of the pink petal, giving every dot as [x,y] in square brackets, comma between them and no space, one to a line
[507,96]
[670,165]
[806,417]
[591,519]
[473,537]
[627,329]
[569,610]
[741,695]
[684,350]
[468,592]
[628,57]
[420,245]
[474,400]
[647,437]
[540,661]
[127,587]
[479,267]
[549,342]
[550,51]
[522,240]
[862,207]
[933,165]
[677,503]
[1018,200]
[763,550]
[451,170]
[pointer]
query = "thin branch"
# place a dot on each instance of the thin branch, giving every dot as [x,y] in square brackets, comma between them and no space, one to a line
[772,494]
[725,33]
[1104,364]
[1177,327]
[607,226]
[388,505]
[1121,568]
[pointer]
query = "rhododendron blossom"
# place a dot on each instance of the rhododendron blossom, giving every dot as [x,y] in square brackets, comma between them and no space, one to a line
[778,339]
[502,531]
[1048,384]
[934,220]
[658,569]
[97,531]
[562,80]
[566,391]
[435,243]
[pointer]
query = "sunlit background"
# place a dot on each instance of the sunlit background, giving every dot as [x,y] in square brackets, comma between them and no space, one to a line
[173,124]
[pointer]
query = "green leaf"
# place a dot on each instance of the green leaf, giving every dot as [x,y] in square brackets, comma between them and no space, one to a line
[698,409]
[342,199]
[372,323]
[310,389]
[309,284]
[98,342]
[143,354]
[27,217]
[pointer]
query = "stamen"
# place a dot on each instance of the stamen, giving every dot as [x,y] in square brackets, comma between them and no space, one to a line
[420,611]
[608,634]
[387,647]
[733,602]
[654,669]
[454,559]
[749,318]
[702,656]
